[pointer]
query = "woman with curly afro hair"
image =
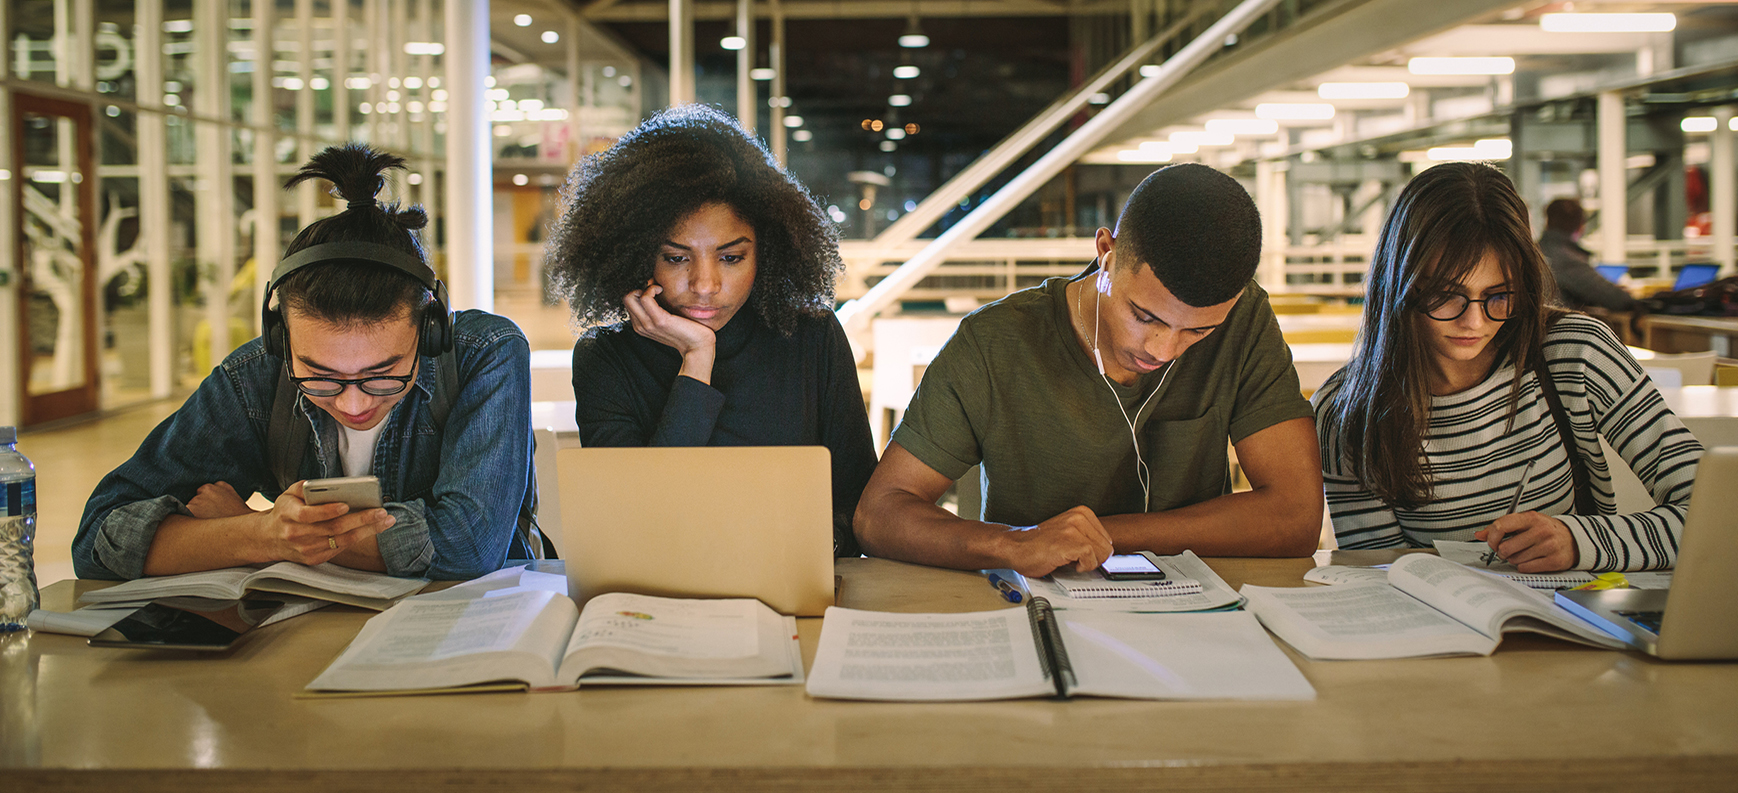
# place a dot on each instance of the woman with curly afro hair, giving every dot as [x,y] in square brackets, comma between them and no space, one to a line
[704,277]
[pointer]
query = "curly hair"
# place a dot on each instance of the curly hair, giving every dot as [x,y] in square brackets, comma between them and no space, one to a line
[619,206]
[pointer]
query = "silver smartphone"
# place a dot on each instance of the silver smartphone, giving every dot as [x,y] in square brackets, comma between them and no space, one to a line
[360,492]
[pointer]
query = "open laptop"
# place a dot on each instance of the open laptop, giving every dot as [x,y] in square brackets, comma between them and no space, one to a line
[1613,272]
[720,521]
[1698,617]
[1694,275]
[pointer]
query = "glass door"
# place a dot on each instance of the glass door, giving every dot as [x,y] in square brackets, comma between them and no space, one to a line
[56,214]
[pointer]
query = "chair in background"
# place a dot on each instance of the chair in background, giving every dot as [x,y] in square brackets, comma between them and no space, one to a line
[1694,368]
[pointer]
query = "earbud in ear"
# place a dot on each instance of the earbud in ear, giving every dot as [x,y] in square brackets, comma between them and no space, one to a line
[1104,282]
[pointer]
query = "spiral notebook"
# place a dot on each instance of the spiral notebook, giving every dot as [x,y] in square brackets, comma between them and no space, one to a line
[1093,585]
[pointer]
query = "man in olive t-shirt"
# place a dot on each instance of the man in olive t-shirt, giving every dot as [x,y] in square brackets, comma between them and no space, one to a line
[1191,356]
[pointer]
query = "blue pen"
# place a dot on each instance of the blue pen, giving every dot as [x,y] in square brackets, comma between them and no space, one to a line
[1009,592]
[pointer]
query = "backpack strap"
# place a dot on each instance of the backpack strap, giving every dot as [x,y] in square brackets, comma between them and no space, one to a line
[287,434]
[1584,504]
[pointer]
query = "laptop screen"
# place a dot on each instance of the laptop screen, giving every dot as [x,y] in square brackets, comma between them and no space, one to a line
[1694,275]
[1613,272]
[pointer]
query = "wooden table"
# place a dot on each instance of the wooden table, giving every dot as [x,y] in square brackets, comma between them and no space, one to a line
[1538,715]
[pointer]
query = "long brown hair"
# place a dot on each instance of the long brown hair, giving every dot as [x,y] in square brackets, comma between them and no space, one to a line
[1444,222]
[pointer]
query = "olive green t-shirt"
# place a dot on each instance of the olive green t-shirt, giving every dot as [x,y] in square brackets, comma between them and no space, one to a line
[1014,391]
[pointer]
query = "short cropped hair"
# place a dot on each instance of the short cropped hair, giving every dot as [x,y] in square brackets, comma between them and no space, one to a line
[1196,228]
[619,206]
[349,293]
[1565,215]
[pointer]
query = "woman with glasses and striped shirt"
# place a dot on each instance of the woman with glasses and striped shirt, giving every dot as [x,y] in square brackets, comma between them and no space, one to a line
[1468,389]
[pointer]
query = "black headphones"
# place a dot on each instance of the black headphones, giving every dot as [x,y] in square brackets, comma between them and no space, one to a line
[434,337]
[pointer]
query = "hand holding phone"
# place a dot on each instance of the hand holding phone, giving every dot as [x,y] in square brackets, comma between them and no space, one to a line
[359,492]
[316,520]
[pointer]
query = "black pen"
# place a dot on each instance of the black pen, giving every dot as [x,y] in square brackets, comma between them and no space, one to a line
[1514,504]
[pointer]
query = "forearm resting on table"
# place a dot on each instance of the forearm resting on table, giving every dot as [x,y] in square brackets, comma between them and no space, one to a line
[184,544]
[897,524]
[1266,521]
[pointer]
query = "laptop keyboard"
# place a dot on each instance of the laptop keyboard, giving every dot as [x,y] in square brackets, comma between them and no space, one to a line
[1647,619]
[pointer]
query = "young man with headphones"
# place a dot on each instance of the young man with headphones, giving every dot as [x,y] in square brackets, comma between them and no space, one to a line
[362,369]
[1100,407]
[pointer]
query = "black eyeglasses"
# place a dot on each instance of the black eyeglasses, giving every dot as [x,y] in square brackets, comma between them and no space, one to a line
[1448,306]
[375,385]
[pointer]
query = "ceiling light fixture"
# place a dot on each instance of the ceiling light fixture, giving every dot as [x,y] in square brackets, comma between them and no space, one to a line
[1699,124]
[1196,137]
[1468,65]
[762,73]
[913,38]
[550,37]
[733,42]
[1385,90]
[899,100]
[1608,23]
[522,20]
[1243,126]
[906,72]
[1294,111]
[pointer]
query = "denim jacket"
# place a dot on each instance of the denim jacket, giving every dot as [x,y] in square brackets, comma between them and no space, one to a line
[456,494]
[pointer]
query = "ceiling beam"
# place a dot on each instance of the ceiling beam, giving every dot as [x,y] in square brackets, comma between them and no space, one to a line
[616,11]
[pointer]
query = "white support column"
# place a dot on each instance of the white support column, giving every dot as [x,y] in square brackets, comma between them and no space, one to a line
[154,197]
[578,75]
[1270,199]
[371,65]
[9,268]
[681,52]
[747,106]
[776,57]
[341,103]
[1613,181]
[82,48]
[214,187]
[267,247]
[469,184]
[1722,189]
[306,198]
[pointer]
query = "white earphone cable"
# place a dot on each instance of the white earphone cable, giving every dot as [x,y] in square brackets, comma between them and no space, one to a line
[1142,473]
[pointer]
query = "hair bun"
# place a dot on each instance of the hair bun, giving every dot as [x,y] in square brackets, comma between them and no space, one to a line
[357,173]
[413,218]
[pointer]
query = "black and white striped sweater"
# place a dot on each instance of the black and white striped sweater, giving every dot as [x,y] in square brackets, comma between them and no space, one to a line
[1476,459]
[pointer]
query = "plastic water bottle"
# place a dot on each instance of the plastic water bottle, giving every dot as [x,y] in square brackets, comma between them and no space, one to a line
[18,595]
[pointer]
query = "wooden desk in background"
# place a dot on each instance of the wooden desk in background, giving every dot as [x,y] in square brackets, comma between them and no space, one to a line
[1538,715]
[1665,333]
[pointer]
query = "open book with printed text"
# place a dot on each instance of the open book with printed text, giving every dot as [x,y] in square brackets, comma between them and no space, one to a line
[1428,606]
[1034,651]
[330,582]
[537,639]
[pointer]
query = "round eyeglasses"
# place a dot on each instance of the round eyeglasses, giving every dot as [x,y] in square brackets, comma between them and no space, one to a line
[1448,306]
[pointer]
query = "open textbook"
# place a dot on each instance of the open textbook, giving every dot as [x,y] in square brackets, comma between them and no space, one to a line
[329,582]
[536,638]
[1034,652]
[1429,606]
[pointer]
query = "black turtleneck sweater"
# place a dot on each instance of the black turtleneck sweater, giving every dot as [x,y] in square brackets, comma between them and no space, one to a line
[767,390]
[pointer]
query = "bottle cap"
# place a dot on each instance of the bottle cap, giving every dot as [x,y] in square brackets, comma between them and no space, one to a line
[8,435]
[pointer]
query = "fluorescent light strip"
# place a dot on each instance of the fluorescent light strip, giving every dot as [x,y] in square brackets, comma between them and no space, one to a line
[1608,23]
[1243,126]
[1195,137]
[1393,90]
[1294,111]
[1471,65]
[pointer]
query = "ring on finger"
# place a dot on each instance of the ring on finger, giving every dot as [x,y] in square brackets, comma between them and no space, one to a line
[332,543]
